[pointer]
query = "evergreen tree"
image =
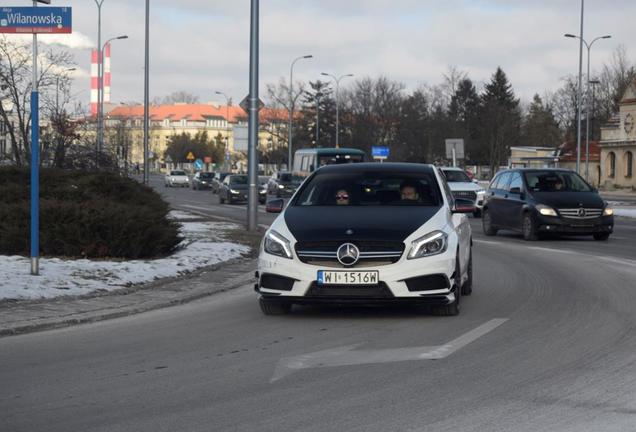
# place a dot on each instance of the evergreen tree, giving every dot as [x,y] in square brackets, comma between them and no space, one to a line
[412,140]
[464,115]
[500,120]
[319,98]
[540,127]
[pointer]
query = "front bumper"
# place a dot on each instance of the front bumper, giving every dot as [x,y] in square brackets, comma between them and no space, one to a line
[298,282]
[566,226]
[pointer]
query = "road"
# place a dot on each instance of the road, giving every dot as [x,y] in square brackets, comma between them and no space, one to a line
[546,342]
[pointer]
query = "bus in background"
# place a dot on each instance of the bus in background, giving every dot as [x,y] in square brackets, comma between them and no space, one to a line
[308,160]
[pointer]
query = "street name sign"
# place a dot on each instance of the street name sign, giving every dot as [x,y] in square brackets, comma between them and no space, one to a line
[35,19]
[380,152]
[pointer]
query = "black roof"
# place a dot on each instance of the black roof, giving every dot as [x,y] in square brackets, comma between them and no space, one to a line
[376,167]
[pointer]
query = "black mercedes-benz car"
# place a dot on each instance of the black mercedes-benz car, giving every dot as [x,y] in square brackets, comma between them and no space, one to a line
[545,201]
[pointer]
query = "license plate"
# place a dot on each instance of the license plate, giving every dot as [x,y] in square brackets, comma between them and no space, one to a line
[326,277]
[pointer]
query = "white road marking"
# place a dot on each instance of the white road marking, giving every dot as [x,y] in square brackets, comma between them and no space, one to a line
[349,356]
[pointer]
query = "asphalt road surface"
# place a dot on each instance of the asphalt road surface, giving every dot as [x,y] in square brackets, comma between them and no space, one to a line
[545,343]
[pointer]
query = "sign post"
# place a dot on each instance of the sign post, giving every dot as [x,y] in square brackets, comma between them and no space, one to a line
[454,149]
[380,153]
[33,20]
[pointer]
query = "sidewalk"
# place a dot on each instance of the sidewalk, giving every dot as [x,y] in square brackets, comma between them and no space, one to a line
[33,315]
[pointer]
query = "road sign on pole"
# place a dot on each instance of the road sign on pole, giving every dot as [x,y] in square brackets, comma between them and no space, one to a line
[35,20]
[454,149]
[190,156]
[380,153]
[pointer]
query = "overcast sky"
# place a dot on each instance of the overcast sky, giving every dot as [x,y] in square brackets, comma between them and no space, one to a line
[201,46]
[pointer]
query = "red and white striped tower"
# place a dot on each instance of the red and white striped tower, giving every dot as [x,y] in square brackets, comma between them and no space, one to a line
[95,78]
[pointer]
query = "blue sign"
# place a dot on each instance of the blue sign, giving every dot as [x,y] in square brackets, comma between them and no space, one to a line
[380,152]
[198,164]
[35,19]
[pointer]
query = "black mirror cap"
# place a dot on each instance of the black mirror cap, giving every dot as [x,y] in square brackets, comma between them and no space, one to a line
[515,190]
[275,205]
[464,206]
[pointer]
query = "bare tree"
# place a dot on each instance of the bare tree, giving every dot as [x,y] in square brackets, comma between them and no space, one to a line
[17,81]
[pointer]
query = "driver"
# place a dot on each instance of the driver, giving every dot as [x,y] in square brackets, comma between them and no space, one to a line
[408,191]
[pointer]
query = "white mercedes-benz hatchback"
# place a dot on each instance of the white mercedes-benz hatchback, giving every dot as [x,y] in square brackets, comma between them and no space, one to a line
[368,233]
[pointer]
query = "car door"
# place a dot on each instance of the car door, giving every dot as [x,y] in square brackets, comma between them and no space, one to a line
[496,197]
[513,201]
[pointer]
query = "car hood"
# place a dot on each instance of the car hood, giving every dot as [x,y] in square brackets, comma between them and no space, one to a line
[331,223]
[464,186]
[569,199]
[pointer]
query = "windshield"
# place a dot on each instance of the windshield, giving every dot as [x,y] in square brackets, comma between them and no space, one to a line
[288,178]
[371,189]
[555,181]
[339,159]
[454,176]
[177,173]
[206,175]
[238,180]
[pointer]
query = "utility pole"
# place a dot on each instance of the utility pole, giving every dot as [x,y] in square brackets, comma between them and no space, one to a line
[147,94]
[252,166]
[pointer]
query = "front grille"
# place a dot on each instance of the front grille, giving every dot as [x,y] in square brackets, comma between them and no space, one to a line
[427,283]
[581,213]
[465,195]
[380,291]
[378,252]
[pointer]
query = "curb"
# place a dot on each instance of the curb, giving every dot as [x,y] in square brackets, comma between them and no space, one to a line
[32,316]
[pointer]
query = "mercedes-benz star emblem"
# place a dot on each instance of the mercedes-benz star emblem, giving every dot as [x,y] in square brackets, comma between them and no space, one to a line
[581,212]
[348,254]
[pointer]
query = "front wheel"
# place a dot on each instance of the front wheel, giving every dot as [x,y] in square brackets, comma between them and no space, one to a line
[486,223]
[529,228]
[601,236]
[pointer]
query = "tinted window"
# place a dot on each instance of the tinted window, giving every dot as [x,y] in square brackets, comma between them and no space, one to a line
[555,181]
[338,159]
[238,180]
[206,175]
[371,189]
[453,176]
[288,178]
[177,173]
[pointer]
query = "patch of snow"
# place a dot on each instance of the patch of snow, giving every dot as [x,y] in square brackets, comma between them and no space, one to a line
[203,246]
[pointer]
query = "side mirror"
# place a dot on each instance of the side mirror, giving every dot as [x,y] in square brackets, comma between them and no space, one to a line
[464,206]
[515,190]
[275,205]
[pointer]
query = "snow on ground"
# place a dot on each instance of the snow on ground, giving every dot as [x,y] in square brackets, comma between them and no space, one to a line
[203,246]
[625,212]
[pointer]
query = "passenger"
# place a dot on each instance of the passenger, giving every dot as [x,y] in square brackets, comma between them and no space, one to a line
[408,191]
[558,185]
[342,197]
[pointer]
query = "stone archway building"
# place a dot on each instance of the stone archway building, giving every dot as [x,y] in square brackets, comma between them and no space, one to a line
[618,144]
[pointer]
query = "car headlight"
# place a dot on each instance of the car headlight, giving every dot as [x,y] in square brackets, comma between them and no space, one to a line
[234,191]
[608,211]
[480,191]
[281,187]
[433,243]
[546,211]
[278,245]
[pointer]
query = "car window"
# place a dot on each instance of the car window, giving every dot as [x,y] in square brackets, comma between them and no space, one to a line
[206,175]
[238,180]
[456,176]
[556,181]
[177,173]
[447,191]
[370,189]
[502,184]
[516,182]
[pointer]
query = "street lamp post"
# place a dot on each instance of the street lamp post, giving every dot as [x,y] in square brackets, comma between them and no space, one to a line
[99,83]
[291,109]
[227,129]
[100,109]
[587,91]
[337,101]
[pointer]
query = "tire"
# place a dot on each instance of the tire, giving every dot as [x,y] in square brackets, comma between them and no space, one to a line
[221,199]
[273,307]
[477,213]
[467,288]
[453,308]
[486,224]
[601,236]
[529,227]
